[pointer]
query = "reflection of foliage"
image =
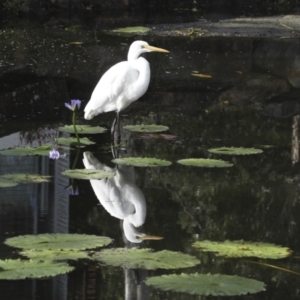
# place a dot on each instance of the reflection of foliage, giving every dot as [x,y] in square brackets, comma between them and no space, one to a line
[16,6]
[40,135]
[235,203]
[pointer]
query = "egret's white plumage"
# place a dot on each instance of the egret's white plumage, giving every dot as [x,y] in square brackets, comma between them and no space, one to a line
[123,83]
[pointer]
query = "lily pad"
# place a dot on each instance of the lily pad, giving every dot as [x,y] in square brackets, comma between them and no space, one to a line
[235,151]
[142,162]
[207,284]
[9,180]
[243,249]
[43,150]
[6,183]
[55,255]
[134,29]
[146,259]
[146,128]
[15,269]
[73,141]
[87,174]
[205,163]
[58,241]
[82,129]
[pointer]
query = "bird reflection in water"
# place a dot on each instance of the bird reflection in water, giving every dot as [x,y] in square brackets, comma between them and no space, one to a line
[121,197]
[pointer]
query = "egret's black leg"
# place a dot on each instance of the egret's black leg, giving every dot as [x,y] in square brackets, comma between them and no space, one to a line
[113,130]
[119,128]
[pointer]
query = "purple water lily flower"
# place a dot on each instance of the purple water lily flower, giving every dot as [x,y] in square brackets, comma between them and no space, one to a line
[75,103]
[54,154]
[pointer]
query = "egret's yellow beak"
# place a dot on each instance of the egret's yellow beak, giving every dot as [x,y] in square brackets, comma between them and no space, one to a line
[150,237]
[154,49]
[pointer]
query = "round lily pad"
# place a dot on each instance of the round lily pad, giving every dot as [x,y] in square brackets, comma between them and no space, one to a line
[146,128]
[7,183]
[9,180]
[146,259]
[243,249]
[82,129]
[55,254]
[58,241]
[207,284]
[73,141]
[22,151]
[235,151]
[15,269]
[205,163]
[87,174]
[134,29]
[142,162]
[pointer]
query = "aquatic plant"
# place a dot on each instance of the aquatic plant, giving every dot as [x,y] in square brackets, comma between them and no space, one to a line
[74,106]
[54,154]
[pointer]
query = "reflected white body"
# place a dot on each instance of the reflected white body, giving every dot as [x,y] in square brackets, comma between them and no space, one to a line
[123,83]
[120,196]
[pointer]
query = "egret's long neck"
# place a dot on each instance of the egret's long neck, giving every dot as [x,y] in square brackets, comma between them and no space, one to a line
[142,83]
[134,54]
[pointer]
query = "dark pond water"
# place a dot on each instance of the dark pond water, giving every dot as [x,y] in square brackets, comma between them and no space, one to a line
[250,101]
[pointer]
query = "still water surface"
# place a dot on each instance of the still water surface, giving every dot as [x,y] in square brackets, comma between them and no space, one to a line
[255,200]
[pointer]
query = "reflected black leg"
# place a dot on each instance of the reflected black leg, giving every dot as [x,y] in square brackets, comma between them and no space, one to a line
[113,130]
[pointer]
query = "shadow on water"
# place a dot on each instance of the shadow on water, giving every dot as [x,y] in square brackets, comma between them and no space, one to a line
[252,100]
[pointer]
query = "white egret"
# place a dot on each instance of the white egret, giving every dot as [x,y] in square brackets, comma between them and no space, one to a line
[121,197]
[123,83]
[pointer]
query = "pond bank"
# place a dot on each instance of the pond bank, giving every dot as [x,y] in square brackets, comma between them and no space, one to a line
[277,26]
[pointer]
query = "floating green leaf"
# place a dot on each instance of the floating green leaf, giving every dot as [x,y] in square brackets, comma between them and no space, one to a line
[243,249]
[146,259]
[235,151]
[146,128]
[55,255]
[9,180]
[207,284]
[58,241]
[205,163]
[43,150]
[87,174]
[73,141]
[82,129]
[142,162]
[135,29]
[6,183]
[73,28]
[15,269]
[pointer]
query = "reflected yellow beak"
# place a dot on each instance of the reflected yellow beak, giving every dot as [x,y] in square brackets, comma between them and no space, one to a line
[150,237]
[151,48]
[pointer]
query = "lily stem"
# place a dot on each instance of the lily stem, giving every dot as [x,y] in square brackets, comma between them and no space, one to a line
[75,129]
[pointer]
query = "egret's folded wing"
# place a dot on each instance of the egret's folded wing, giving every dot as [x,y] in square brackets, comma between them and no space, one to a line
[108,89]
